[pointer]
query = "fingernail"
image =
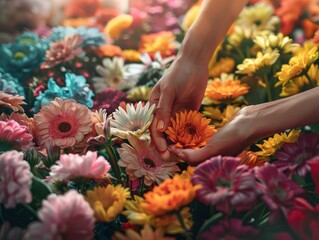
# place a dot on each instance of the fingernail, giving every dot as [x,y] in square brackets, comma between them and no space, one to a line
[181,155]
[160,125]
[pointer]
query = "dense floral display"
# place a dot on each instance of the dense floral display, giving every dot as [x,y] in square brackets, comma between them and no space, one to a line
[77,159]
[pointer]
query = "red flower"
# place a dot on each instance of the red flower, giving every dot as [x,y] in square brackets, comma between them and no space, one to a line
[314,164]
[304,219]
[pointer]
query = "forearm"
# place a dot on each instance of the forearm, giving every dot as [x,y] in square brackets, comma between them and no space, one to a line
[288,113]
[209,28]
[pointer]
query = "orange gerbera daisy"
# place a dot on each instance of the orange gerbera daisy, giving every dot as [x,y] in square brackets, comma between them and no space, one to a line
[77,22]
[224,65]
[252,159]
[63,123]
[225,88]
[162,42]
[12,102]
[173,194]
[82,8]
[108,50]
[190,130]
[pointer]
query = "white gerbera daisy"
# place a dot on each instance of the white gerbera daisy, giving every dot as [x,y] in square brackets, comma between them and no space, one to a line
[132,121]
[115,74]
[141,159]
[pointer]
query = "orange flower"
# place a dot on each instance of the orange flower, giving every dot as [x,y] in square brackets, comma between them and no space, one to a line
[224,65]
[161,41]
[131,55]
[225,88]
[173,194]
[12,102]
[107,50]
[252,159]
[190,130]
[81,8]
[77,22]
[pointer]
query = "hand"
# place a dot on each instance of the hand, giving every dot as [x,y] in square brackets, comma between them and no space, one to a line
[182,87]
[230,140]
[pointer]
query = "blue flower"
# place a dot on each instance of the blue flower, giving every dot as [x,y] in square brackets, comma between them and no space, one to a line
[10,85]
[53,91]
[78,89]
[91,36]
[23,56]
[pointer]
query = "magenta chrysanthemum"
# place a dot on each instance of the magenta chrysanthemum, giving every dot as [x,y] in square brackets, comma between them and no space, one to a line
[15,179]
[63,217]
[71,166]
[225,184]
[14,136]
[229,229]
[278,190]
[108,99]
[63,51]
[293,158]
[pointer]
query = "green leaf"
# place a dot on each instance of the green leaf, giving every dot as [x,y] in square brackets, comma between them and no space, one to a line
[315,128]
[40,191]
[210,221]
[21,216]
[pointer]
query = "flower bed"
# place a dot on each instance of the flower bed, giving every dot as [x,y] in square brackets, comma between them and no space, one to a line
[76,155]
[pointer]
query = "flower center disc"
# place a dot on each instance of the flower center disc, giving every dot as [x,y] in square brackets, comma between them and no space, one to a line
[64,127]
[149,163]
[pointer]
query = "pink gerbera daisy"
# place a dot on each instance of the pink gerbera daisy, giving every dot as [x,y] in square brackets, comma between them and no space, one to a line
[15,179]
[71,166]
[14,136]
[63,217]
[141,159]
[63,50]
[63,123]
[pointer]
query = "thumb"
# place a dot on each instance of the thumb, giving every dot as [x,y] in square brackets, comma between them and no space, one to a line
[194,157]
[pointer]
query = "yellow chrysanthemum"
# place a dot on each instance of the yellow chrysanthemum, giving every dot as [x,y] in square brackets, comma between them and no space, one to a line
[224,65]
[131,55]
[163,42]
[240,33]
[260,16]
[298,64]
[107,202]
[116,25]
[262,61]
[170,196]
[272,144]
[188,173]
[169,222]
[227,114]
[225,88]
[190,130]
[137,94]
[267,39]
[213,113]
[190,16]
[147,233]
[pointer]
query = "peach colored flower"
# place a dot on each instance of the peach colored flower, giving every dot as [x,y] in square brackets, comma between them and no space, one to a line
[21,119]
[14,136]
[63,51]
[16,179]
[71,166]
[81,8]
[63,217]
[190,130]
[62,123]
[12,102]
[140,159]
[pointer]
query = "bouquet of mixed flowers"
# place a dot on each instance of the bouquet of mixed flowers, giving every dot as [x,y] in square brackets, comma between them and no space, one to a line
[76,156]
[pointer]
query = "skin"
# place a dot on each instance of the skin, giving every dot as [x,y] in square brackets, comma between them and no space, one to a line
[184,83]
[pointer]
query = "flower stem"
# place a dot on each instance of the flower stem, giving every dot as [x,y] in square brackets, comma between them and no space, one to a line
[114,164]
[141,186]
[186,233]
[268,88]
[312,82]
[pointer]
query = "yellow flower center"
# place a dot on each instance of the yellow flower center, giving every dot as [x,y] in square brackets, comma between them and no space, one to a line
[19,55]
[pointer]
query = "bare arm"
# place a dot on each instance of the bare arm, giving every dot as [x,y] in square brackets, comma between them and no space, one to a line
[184,83]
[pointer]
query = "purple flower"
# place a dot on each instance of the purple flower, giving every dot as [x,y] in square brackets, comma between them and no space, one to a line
[293,158]
[108,99]
[230,229]
[278,190]
[225,184]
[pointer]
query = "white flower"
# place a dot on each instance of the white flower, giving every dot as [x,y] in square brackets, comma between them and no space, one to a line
[133,121]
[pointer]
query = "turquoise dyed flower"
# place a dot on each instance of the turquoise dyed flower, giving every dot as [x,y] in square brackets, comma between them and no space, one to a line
[9,84]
